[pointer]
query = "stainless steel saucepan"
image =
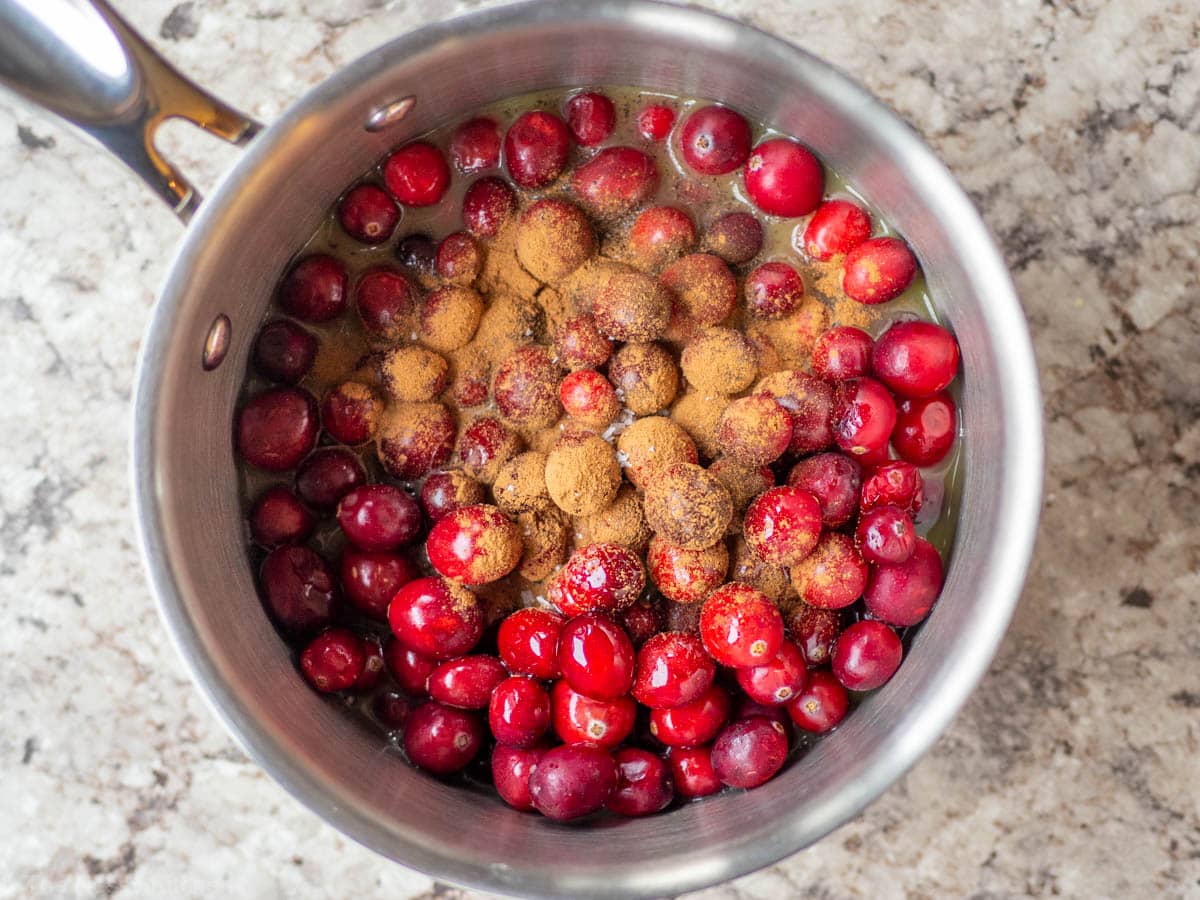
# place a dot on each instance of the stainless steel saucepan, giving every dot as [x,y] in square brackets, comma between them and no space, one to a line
[80,60]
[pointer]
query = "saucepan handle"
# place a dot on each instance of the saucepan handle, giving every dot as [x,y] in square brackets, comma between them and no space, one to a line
[79,59]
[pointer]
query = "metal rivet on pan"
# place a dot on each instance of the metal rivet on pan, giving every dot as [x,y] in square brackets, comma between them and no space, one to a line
[216,345]
[389,113]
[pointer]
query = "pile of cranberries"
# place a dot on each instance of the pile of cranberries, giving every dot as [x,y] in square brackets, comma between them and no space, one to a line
[737,606]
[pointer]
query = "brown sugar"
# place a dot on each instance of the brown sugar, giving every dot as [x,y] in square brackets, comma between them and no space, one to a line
[720,361]
[744,483]
[413,438]
[412,373]
[502,272]
[645,376]
[754,430]
[747,568]
[632,307]
[449,317]
[649,445]
[698,413]
[842,310]
[583,285]
[553,239]
[520,485]
[623,523]
[582,475]
[546,536]
[792,336]
[688,506]
[704,288]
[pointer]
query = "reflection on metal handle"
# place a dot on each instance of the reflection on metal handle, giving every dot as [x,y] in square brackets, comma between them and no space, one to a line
[79,59]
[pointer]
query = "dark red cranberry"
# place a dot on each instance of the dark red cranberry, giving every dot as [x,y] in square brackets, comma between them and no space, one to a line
[596,657]
[588,397]
[878,270]
[754,431]
[436,617]
[284,352]
[672,669]
[774,290]
[484,446]
[714,140]
[864,415]
[836,228]
[475,145]
[866,655]
[277,428]
[573,780]
[592,117]
[578,719]
[642,621]
[615,181]
[278,517]
[683,618]
[782,526]
[784,179]
[368,214]
[740,626]
[414,439]
[444,492]
[925,429]
[526,387]
[327,475]
[373,666]
[903,593]
[842,353]
[417,174]
[298,589]
[385,302]
[686,576]
[410,669]
[833,575]
[474,545]
[605,577]
[777,681]
[915,359]
[333,660]
[898,483]
[745,708]
[749,752]
[736,237]
[528,642]
[821,706]
[692,771]
[654,122]
[370,579]
[466,682]
[391,709]
[535,148]
[580,345]
[519,711]
[315,289]
[659,234]
[350,413]
[441,739]
[644,784]
[692,724]
[814,631]
[834,479]
[486,205]
[458,258]
[885,534]
[809,402]
[703,289]
[379,517]
[417,252]
[511,768]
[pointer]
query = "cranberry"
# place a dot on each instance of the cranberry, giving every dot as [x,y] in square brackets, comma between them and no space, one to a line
[736,237]
[373,666]
[596,657]
[687,505]
[578,719]
[740,626]
[754,430]
[814,631]
[368,214]
[866,655]
[436,617]
[749,752]
[654,122]
[925,429]
[777,681]
[528,642]
[466,682]
[333,660]
[648,379]
[277,428]
[391,709]
[915,359]
[486,205]
[511,768]
[284,352]
[833,575]
[350,413]
[417,252]
[458,258]
[444,492]
[385,302]
[315,289]
[573,780]
[782,525]
[836,228]
[842,353]
[615,181]
[518,712]
[672,669]
[659,234]
[475,145]
[371,578]
[898,483]
[864,415]
[379,517]
[441,739]
[327,475]
[588,396]
[417,174]
[580,345]
[526,388]
[415,438]
[821,705]
[535,148]
[605,577]
[885,535]
[834,480]
[784,179]
[686,576]
[410,669]
[878,270]
[642,621]
[644,784]
[474,545]
[809,402]
[278,517]
[486,445]
[903,593]
[298,589]
[692,724]
[692,771]
[714,140]
[705,290]
[591,117]
[773,290]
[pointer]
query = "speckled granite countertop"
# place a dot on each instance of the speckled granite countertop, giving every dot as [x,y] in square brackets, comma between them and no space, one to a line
[1074,770]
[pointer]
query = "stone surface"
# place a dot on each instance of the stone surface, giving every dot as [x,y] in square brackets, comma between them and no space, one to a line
[1073,770]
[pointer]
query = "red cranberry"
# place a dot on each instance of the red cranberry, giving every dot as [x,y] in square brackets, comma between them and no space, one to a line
[573,780]
[842,353]
[878,270]
[833,575]
[672,669]
[315,289]
[484,446]
[474,545]
[692,771]
[535,148]
[740,626]
[458,258]
[749,752]
[379,517]
[436,618]
[809,402]
[834,480]
[511,768]
[885,535]
[615,181]
[897,483]
[368,214]
[904,593]
[350,413]
[642,621]
[372,667]
[444,492]
[415,438]
[391,709]
[866,655]
[864,415]
[686,576]
[416,253]
[821,706]
[334,660]
[277,428]
[441,739]
[736,237]
[370,579]
[659,234]
[596,657]
[777,681]
[782,526]
[814,631]
[528,642]
[644,784]
[784,179]
[278,517]
[385,302]
[773,290]
[486,205]
[588,396]
[284,352]
[580,345]
[654,122]
[519,711]
[526,387]
[714,140]
[694,723]
[925,429]
[466,682]
[475,145]
[578,719]
[754,430]
[298,589]
[417,174]
[591,117]
[410,669]
[836,228]
[915,359]
[327,475]
[605,577]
